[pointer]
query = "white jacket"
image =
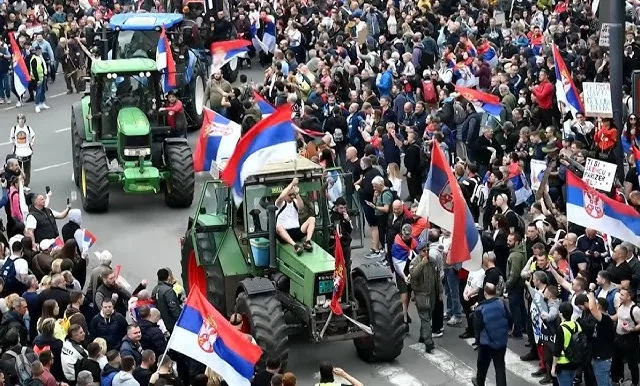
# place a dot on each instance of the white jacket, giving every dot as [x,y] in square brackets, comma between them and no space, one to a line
[70,355]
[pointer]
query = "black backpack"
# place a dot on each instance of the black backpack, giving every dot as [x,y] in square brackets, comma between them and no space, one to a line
[578,348]
[521,228]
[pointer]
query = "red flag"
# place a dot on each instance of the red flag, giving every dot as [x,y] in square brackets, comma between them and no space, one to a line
[118,268]
[338,277]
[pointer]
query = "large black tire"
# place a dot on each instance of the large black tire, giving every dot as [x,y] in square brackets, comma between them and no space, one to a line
[77,137]
[179,188]
[94,180]
[264,315]
[215,290]
[379,307]
[196,104]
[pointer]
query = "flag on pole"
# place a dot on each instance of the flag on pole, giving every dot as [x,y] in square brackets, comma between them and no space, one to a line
[566,91]
[204,335]
[165,63]
[636,156]
[443,204]
[216,142]
[21,76]
[338,277]
[88,239]
[224,52]
[488,103]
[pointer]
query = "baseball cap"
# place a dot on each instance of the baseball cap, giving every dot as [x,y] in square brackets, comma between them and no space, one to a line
[46,244]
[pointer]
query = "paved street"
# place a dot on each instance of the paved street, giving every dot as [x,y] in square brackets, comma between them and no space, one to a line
[143,235]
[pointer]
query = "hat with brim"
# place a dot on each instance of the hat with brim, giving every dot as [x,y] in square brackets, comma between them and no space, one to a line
[46,244]
[550,147]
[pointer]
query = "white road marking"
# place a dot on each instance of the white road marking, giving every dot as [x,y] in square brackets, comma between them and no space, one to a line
[449,364]
[5,143]
[51,166]
[515,366]
[398,376]
[58,95]
[62,130]
[50,97]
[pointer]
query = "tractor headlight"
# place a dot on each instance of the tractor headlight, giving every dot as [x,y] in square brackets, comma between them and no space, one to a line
[321,300]
[137,152]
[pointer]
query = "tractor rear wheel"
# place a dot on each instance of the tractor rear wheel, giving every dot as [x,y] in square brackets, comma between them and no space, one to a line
[263,316]
[379,306]
[209,278]
[77,137]
[94,180]
[179,187]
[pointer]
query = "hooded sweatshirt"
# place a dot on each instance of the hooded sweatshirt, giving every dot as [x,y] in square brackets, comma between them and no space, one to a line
[124,378]
[72,230]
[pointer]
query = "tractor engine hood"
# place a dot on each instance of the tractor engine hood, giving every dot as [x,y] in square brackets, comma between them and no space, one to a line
[133,122]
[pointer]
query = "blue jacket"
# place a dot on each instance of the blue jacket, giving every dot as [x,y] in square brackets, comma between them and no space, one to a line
[492,322]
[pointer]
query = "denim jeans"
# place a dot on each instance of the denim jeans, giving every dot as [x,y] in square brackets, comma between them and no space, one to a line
[40,90]
[602,371]
[5,86]
[518,311]
[565,377]
[452,291]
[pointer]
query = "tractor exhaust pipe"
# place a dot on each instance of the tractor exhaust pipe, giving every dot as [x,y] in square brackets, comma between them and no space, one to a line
[271,221]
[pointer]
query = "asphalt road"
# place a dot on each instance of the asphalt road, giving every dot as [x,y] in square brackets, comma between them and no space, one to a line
[143,235]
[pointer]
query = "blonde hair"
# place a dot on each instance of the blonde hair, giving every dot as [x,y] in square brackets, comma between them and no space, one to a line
[214,378]
[394,170]
[103,345]
[45,282]
[56,266]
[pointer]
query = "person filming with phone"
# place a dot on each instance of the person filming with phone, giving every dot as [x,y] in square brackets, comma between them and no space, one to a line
[22,138]
[41,221]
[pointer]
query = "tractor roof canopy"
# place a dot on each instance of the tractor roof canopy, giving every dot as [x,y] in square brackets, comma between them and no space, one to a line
[123,65]
[144,21]
[300,167]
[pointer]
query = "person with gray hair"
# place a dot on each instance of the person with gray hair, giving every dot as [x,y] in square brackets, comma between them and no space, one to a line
[85,379]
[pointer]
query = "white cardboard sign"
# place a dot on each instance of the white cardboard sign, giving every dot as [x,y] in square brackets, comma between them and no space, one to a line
[599,174]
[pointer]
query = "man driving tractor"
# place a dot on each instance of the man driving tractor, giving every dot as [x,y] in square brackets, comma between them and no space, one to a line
[288,225]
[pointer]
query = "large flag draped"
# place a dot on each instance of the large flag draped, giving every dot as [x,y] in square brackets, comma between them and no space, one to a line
[21,76]
[485,101]
[338,276]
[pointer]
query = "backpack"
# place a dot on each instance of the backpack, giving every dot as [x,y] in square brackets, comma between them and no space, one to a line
[611,296]
[459,115]
[480,194]
[394,196]
[429,92]
[521,224]
[578,347]
[8,273]
[22,365]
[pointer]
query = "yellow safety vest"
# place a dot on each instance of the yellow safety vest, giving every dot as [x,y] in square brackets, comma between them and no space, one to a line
[532,267]
[40,66]
[566,338]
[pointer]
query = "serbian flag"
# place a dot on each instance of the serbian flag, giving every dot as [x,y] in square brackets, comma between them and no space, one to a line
[566,91]
[401,253]
[589,208]
[216,142]
[636,156]
[88,239]
[59,243]
[482,100]
[338,277]
[269,36]
[443,204]
[204,335]
[265,107]
[253,33]
[521,188]
[21,76]
[224,52]
[271,140]
[165,63]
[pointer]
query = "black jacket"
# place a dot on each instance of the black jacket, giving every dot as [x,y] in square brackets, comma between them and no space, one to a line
[167,303]
[13,321]
[129,348]
[88,364]
[152,337]
[55,345]
[60,295]
[112,329]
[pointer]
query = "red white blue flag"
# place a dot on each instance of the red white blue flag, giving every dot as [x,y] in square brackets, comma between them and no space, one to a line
[217,141]
[224,52]
[88,239]
[21,76]
[443,204]
[204,335]
[566,91]
[487,102]
[165,63]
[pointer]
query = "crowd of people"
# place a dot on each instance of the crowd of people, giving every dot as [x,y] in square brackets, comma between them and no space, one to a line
[378,80]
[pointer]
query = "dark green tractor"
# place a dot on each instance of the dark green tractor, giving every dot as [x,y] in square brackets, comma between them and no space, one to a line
[118,136]
[235,257]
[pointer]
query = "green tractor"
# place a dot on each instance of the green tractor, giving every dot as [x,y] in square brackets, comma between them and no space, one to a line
[118,136]
[234,257]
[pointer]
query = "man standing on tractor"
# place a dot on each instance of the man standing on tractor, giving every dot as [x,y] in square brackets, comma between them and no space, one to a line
[342,223]
[288,225]
[175,116]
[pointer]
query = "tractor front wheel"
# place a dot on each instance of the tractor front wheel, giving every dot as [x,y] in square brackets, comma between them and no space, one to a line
[94,180]
[180,185]
[379,306]
[263,318]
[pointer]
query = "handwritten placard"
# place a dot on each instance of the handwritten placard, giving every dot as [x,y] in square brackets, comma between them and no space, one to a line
[597,99]
[599,174]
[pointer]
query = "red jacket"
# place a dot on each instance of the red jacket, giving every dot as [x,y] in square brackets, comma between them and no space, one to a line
[173,110]
[544,93]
